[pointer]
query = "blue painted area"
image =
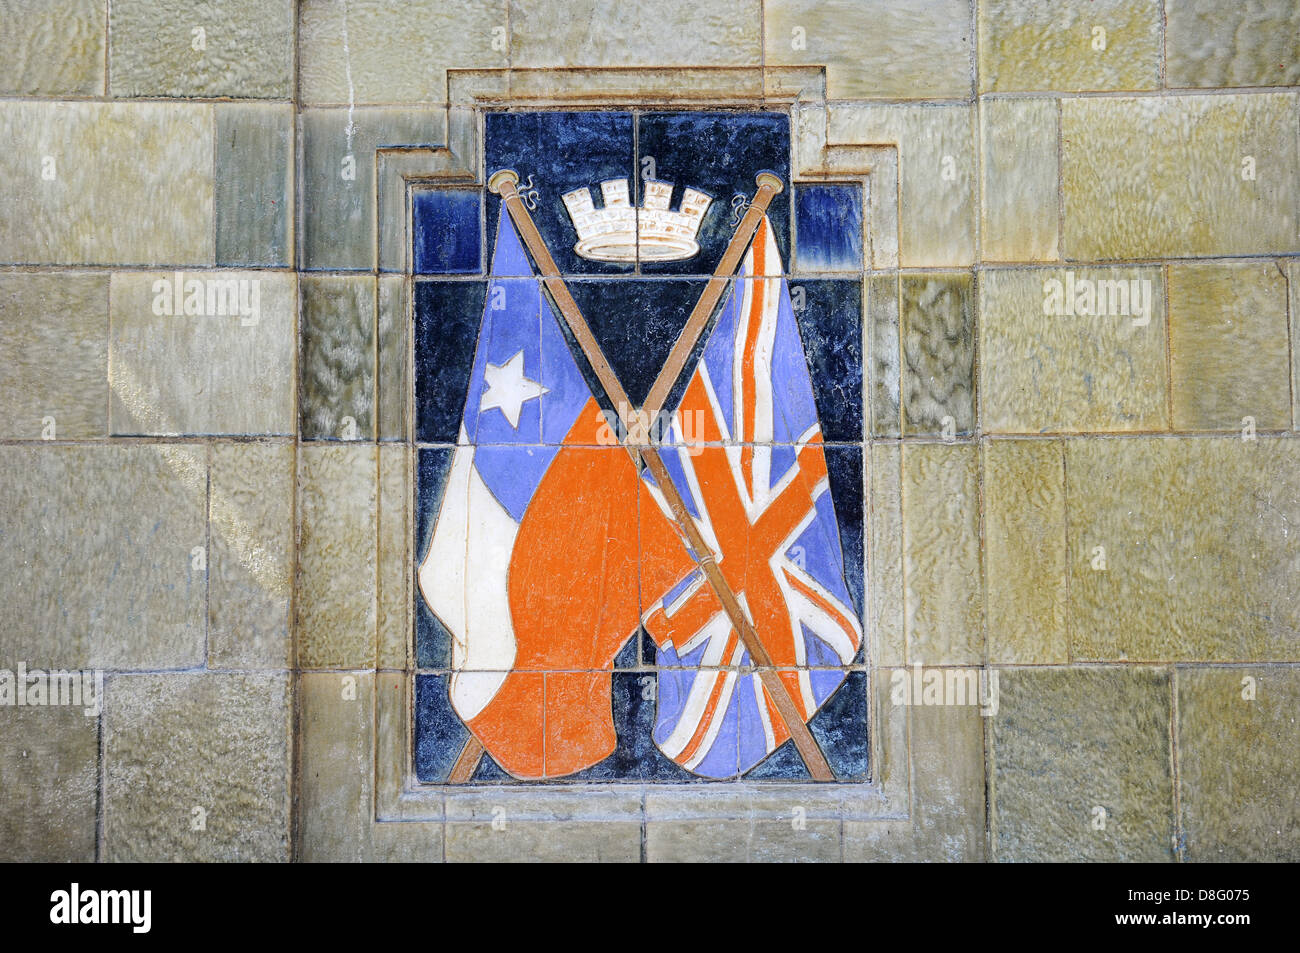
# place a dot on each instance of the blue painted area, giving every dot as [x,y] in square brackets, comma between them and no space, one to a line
[828,228]
[447,231]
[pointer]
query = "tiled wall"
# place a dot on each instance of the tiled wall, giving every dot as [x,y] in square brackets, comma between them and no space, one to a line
[215,510]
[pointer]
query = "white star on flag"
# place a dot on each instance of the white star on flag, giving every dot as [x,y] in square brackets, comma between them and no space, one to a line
[508,389]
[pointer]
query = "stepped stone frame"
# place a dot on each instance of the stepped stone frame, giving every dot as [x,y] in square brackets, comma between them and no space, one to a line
[926,797]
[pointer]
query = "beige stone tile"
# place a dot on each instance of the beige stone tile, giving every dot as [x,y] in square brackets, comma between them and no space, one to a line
[336,556]
[943,601]
[103,555]
[1026,560]
[883,341]
[236,48]
[797,840]
[1293,283]
[1025,45]
[544,842]
[938,350]
[225,370]
[396,593]
[49,759]
[366,51]
[338,186]
[132,183]
[884,841]
[947,756]
[250,520]
[1162,176]
[936,146]
[1020,207]
[55,355]
[1233,44]
[1070,744]
[213,742]
[1045,372]
[52,47]
[1229,348]
[1200,555]
[885,554]
[254,183]
[408,842]
[393,386]
[640,33]
[336,742]
[873,48]
[336,393]
[1237,739]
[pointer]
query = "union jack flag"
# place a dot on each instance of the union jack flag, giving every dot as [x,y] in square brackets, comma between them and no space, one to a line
[754,477]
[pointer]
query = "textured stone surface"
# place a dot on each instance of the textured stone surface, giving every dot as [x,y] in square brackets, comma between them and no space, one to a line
[1162,176]
[1228,349]
[885,555]
[938,347]
[1021,216]
[936,148]
[947,756]
[132,183]
[208,373]
[1032,46]
[55,355]
[250,518]
[544,842]
[245,48]
[1052,373]
[1199,549]
[1235,44]
[1293,283]
[1024,539]
[640,33]
[173,743]
[393,385]
[338,187]
[1237,765]
[336,388]
[52,47]
[100,543]
[336,786]
[743,841]
[1068,741]
[362,51]
[254,176]
[943,601]
[49,759]
[883,341]
[396,593]
[874,48]
[336,556]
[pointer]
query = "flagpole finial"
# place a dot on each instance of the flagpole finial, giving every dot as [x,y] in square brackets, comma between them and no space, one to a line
[772,181]
[499,178]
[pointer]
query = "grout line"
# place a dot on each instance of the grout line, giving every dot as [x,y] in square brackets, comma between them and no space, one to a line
[1175,769]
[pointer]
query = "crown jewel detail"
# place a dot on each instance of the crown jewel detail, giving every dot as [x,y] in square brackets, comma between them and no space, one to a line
[622,232]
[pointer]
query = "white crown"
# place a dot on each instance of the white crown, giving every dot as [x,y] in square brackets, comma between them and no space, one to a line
[622,232]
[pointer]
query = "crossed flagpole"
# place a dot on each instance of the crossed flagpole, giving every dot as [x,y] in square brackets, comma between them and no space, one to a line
[504,183]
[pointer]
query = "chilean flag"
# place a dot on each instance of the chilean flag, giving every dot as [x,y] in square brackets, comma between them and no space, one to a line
[550,542]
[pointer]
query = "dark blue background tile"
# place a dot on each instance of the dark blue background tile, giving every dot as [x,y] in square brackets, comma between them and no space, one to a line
[432,641]
[719,154]
[561,151]
[845,468]
[828,228]
[439,733]
[447,229]
[447,319]
[830,325]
